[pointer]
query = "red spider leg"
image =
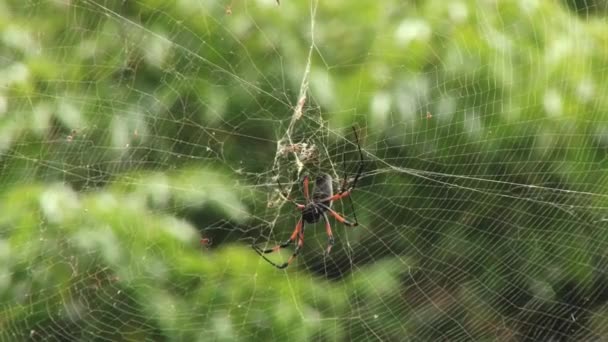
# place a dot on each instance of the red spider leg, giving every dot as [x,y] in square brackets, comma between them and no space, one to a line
[341,219]
[293,236]
[337,196]
[338,217]
[330,235]
[295,252]
[305,186]
[299,235]
[344,192]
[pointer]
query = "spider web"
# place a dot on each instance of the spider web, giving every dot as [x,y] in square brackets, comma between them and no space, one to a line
[132,131]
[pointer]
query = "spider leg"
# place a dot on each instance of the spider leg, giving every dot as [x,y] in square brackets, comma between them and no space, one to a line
[339,217]
[361,165]
[344,191]
[305,188]
[298,205]
[330,235]
[333,213]
[284,244]
[285,195]
[295,252]
[337,196]
[297,233]
[291,258]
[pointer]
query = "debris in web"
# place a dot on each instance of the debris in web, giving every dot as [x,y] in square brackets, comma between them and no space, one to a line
[302,152]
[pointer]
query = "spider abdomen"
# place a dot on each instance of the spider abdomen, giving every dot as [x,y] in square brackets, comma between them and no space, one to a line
[323,189]
[314,210]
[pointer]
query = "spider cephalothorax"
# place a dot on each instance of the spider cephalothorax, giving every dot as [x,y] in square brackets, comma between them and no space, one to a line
[316,208]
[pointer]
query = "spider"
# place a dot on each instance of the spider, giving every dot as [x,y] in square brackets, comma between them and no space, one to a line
[316,208]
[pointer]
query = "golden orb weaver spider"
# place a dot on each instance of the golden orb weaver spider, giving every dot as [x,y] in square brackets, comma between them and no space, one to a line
[316,208]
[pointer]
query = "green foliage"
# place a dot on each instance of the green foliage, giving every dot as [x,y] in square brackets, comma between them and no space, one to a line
[131,128]
[76,264]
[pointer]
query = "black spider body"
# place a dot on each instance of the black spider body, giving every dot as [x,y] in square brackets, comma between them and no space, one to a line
[317,207]
[314,210]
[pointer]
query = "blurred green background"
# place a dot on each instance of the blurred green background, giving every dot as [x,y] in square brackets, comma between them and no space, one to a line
[129,130]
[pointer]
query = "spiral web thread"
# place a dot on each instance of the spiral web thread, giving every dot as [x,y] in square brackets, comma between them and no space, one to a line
[482,204]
